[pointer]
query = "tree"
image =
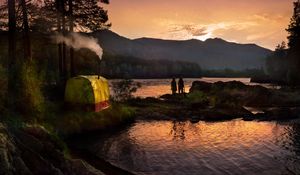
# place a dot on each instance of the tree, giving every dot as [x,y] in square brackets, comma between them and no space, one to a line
[71,26]
[277,63]
[124,89]
[84,16]
[33,14]
[88,16]
[23,85]
[294,27]
[294,46]
[11,47]
[26,34]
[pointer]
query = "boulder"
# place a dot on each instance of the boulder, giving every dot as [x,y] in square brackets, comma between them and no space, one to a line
[33,150]
[200,86]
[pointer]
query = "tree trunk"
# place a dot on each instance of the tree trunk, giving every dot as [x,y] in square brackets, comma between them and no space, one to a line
[60,62]
[11,51]
[71,25]
[26,33]
[64,53]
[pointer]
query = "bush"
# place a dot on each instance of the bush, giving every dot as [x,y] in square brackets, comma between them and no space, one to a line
[30,100]
[197,97]
[72,122]
[124,89]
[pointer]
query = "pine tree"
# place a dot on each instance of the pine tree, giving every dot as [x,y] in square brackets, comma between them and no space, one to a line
[293,29]
[84,16]
[11,50]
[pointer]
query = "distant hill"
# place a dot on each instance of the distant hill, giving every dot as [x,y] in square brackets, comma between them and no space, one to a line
[210,54]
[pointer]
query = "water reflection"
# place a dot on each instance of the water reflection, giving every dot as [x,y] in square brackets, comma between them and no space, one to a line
[292,145]
[231,147]
[158,87]
[178,130]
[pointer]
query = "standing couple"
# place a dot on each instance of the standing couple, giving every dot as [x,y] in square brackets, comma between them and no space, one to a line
[180,86]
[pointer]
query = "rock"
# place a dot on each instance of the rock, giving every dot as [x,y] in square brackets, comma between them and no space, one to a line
[166,96]
[33,151]
[10,158]
[21,167]
[230,85]
[280,113]
[200,86]
[81,167]
[195,119]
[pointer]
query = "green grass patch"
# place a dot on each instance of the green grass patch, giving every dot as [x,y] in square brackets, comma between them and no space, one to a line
[72,122]
[196,97]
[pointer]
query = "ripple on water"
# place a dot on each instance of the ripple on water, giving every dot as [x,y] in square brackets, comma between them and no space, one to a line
[231,147]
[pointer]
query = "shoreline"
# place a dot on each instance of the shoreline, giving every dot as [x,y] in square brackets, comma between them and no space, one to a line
[209,102]
[106,167]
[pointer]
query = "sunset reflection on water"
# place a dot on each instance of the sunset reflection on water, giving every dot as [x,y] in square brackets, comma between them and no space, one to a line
[158,87]
[233,147]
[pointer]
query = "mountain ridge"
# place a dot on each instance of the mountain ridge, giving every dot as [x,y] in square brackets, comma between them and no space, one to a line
[213,53]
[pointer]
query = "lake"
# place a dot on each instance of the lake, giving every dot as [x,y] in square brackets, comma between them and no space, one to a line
[158,87]
[177,148]
[181,147]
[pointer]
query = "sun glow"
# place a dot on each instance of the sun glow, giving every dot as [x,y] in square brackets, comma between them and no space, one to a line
[259,22]
[204,37]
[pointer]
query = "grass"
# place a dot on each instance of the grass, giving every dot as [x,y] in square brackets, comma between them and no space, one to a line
[60,124]
[196,97]
[35,110]
[74,122]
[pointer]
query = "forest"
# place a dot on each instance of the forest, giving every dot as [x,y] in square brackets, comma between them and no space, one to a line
[283,66]
[40,51]
[32,60]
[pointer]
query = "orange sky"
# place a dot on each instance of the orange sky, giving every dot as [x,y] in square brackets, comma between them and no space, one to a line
[245,21]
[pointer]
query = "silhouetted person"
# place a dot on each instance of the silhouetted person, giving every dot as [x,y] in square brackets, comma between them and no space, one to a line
[180,86]
[173,86]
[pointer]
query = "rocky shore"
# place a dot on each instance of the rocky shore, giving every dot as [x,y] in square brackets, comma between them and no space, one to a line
[32,150]
[221,101]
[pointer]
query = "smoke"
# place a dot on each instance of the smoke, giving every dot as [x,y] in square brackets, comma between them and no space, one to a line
[78,41]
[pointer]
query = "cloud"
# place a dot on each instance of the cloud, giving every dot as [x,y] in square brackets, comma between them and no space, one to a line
[190,29]
[195,30]
[205,31]
[260,28]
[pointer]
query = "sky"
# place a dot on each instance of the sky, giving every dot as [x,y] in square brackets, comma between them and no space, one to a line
[262,22]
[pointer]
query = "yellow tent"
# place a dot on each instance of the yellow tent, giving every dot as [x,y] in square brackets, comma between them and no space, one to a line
[87,92]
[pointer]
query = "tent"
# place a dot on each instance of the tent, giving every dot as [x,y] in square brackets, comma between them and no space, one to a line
[87,92]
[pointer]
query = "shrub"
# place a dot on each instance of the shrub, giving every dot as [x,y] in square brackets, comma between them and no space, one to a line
[197,96]
[124,89]
[30,100]
[79,121]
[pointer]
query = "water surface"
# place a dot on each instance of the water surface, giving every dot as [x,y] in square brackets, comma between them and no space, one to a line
[158,87]
[231,147]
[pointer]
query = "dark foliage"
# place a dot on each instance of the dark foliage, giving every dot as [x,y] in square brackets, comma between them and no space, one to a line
[86,15]
[294,27]
[284,64]
[124,89]
[122,66]
[277,63]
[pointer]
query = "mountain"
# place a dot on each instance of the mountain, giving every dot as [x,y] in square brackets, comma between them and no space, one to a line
[210,54]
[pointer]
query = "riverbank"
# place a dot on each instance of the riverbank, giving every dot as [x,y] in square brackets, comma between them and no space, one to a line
[221,101]
[39,147]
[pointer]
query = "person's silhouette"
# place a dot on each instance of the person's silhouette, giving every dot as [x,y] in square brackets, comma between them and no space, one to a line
[181,86]
[173,86]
